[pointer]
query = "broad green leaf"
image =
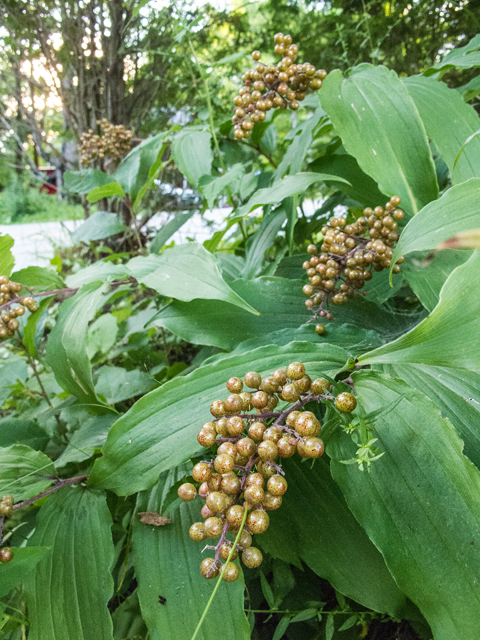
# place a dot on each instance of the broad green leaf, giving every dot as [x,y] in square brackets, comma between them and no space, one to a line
[456,393]
[360,186]
[427,276]
[167,562]
[159,431]
[211,188]
[39,277]
[24,472]
[419,504]
[85,180]
[6,257]
[281,303]
[185,272]
[465,57]
[87,440]
[152,170]
[230,265]
[68,592]
[379,124]
[329,540]
[284,188]
[117,384]
[261,241]
[281,627]
[447,337]
[301,137]
[192,153]
[379,290]
[98,271]
[67,342]
[457,210]
[24,561]
[22,431]
[100,225]
[470,90]
[102,334]
[449,121]
[107,191]
[167,231]
[11,371]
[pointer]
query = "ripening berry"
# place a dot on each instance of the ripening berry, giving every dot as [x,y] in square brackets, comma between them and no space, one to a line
[245,540]
[233,403]
[256,430]
[252,557]
[235,426]
[266,469]
[271,502]
[272,433]
[234,385]
[267,450]
[280,376]
[277,485]
[269,384]
[320,329]
[230,484]
[186,492]
[290,393]
[201,472]
[286,446]
[221,427]
[303,384]
[257,521]
[216,501]
[5,509]
[218,409]
[235,516]
[307,424]
[208,568]
[320,386]
[225,551]
[253,379]
[197,531]
[6,554]
[345,402]
[230,573]
[246,399]
[246,447]
[254,494]
[224,463]
[203,490]
[213,527]
[260,399]
[311,447]
[205,512]
[255,479]
[292,418]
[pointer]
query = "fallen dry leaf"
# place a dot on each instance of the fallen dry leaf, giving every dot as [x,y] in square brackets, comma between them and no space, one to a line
[153,518]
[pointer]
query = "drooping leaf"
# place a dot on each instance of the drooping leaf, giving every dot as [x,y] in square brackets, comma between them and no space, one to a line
[419,504]
[117,384]
[106,191]
[22,431]
[24,561]
[281,304]
[85,180]
[449,121]
[444,338]
[100,225]
[185,272]
[159,431]
[214,187]
[24,472]
[284,188]
[167,565]
[379,125]
[301,137]
[6,256]
[39,277]
[98,271]
[167,231]
[457,210]
[102,334]
[261,241]
[470,90]
[462,57]
[361,188]
[330,540]
[68,592]
[456,393]
[66,344]
[427,276]
[192,153]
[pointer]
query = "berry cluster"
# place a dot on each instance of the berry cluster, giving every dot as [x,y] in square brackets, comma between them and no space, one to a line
[114,143]
[245,461]
[349,253]
[6,507]
[269,86]
[8,318]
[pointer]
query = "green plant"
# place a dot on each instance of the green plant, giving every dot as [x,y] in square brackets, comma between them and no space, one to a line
[104,387]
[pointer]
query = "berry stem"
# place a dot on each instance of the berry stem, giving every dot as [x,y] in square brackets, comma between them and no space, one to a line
[60,484]
[220,577]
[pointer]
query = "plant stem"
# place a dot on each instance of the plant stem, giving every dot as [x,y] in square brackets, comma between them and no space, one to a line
[60,484]
[234,546]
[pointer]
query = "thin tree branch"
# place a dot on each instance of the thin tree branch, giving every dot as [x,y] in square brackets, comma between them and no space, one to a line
[50,490]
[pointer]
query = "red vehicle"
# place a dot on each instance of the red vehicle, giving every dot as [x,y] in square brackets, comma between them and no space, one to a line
[49,184]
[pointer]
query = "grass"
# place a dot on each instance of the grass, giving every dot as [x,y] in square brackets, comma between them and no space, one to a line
[23,204]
